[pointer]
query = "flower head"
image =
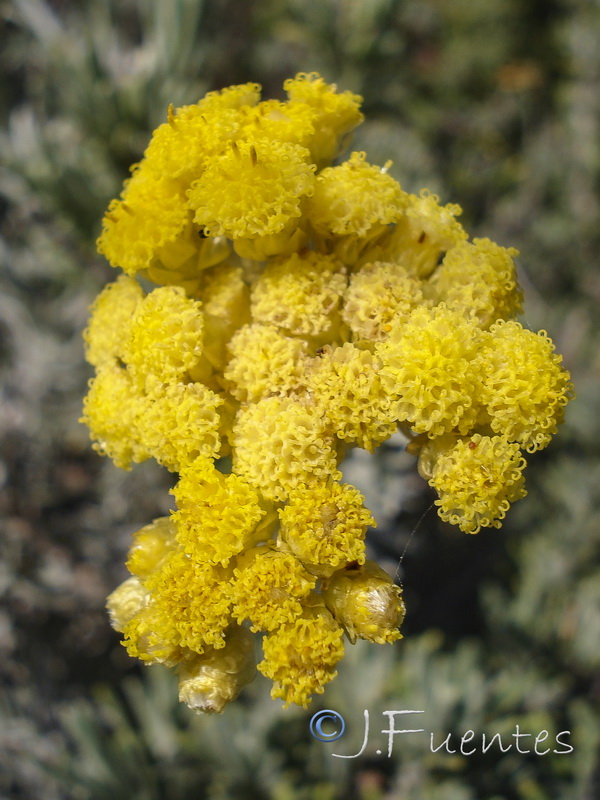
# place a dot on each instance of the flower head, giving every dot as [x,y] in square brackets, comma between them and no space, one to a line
[422,233]
[480,280]
[378,299]
[476,478]
[152,214]
[165,336]
[345,384]
[324,526]
[179,422]
[111,411]
[281,443]
[252,189]
[300,656]
[301,294]
[190,604]
[110,321]
[334,114]
[428,367]
[354,198]
[217,515]
[525,389]
[268,587]
[264,362]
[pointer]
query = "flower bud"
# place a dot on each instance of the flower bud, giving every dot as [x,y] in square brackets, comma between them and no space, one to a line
[365,601]
[125,602]
[208,682]
[150,545]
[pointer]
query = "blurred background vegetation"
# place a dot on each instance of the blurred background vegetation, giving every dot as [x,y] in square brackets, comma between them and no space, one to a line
[495,106]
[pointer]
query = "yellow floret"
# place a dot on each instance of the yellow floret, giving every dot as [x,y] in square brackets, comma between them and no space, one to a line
[428,368]
[478,279]
[422,233]
[366,603]
[379,297]
[324,526]
[334,114]
[165,337]
[191,602]
[300,294]
[525,388]
[476,479]
[210,681]
[110,318]
[111,410]
[268,587]
[151,214]
[252,189]
[180,421]
[344,383]
[300,657]
[218,515]
[355,198]
[264,362]
[150,546]
[279,443]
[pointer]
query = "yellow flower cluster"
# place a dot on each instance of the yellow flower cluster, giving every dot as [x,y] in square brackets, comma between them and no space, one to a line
[299,308]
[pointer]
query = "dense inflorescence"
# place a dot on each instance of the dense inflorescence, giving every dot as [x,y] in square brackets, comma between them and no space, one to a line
[300,309]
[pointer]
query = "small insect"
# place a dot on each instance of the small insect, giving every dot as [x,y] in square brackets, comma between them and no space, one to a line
[472,445]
